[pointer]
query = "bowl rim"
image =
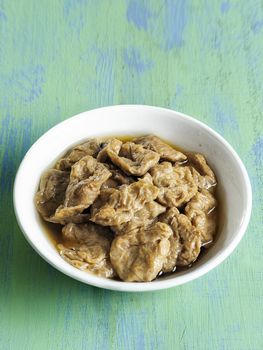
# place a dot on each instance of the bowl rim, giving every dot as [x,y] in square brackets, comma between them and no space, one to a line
[143,286]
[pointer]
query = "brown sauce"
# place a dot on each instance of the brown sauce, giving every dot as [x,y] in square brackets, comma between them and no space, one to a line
[53,231]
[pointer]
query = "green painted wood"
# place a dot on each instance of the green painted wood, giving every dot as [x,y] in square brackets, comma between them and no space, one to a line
[59,58]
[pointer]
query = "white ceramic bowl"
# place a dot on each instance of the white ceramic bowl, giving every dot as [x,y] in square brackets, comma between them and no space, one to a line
[182,130]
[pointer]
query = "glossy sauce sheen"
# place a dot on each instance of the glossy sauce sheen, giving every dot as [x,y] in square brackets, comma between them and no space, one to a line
[54,230]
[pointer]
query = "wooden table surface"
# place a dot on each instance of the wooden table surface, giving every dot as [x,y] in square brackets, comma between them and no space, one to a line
[59,58]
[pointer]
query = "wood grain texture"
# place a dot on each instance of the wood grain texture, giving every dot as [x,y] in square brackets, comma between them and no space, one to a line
[59,58]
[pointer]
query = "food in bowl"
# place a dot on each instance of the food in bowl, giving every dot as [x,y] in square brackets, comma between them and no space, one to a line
[130,209]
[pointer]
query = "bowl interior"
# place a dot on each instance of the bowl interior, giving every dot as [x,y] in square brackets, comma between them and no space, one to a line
[233,183]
